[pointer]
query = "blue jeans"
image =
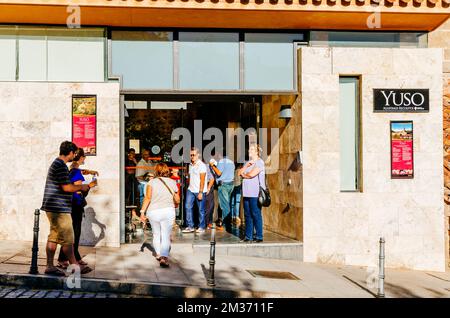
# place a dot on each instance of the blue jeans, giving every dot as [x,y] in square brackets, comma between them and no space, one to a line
[141,192]
[189,205]
[225,191]
[236,201]
[253,218]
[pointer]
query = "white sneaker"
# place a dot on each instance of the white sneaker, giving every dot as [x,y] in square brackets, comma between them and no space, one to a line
[188,230]
[200,230]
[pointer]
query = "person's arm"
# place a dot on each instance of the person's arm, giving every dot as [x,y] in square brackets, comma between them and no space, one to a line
[242,170]
[216,170]
[253,173]
[210,185]
[202,184]
[78,187]
[147,199]
[92,172]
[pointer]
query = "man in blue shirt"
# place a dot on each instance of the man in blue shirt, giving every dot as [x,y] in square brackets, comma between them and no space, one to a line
[224,170]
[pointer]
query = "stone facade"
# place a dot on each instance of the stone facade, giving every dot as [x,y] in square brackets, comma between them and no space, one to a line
[440,38]
[34,119]
[344,228]
[284,176]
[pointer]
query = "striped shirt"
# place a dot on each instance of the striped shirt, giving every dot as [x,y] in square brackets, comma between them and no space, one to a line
[55,199]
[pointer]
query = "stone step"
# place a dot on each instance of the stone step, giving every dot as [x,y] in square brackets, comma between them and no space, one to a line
[286,251]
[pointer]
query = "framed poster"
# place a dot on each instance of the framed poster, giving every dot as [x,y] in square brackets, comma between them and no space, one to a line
[402,152]
[84,123]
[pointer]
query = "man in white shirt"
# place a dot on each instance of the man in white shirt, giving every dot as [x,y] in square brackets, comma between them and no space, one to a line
[143,167]
[196,192]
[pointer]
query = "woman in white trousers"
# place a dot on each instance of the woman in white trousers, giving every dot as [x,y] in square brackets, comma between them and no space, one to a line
[161,198]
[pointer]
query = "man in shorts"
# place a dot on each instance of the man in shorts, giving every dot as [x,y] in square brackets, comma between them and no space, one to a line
[57,204]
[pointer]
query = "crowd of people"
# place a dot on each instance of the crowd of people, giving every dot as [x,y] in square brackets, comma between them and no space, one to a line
[155,189]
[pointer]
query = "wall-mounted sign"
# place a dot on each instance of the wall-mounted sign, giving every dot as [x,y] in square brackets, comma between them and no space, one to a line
[402,154]
[84,123]
[401,100]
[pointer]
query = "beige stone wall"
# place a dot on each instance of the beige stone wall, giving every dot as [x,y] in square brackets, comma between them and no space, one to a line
[34,119]
[344,228]
[440,38]
[284,216]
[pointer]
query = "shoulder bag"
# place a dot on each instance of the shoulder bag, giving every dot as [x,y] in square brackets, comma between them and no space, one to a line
[264,194]
[176,201]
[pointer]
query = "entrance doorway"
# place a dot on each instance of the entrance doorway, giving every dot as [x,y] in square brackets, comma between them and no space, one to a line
[149,123]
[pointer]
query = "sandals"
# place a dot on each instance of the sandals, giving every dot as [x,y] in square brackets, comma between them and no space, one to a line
[54,272]
[82,263]
[62,265]
[164,262]
[85,270]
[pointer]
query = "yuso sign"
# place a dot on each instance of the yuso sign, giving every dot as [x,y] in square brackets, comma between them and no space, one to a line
[401,100]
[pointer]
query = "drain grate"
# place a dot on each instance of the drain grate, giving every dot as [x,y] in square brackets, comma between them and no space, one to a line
[273,275]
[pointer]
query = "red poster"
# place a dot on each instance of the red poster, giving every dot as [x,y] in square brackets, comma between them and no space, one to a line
[84,123]
[402,156]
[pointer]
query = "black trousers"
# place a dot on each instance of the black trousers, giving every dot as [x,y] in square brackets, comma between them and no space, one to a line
[77,217]
[131,190]
[209,207]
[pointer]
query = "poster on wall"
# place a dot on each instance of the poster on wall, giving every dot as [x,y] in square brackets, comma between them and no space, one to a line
[84,123]
[402,155]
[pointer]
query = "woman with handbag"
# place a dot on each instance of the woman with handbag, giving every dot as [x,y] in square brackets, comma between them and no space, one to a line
[78,204]
[161,198]
[253,177]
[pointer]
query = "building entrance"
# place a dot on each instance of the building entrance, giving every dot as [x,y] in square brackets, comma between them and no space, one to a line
[151,120]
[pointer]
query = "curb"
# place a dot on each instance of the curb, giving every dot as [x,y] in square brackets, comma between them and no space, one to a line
[133,288]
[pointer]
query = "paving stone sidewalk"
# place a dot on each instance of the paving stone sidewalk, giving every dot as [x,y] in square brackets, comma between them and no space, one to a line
[132,268]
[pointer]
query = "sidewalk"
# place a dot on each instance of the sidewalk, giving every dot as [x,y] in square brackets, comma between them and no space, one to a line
[129,270]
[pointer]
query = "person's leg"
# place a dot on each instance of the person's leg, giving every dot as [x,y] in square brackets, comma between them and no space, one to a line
[248,220]
[201,211]
[68,251]
[141,193]
[50,249]
[77,218]
[233,203]
[216,206]
[209,207]
[237,205]
[189,208]
[166,231]
[52,240]
[227,216]
[257,218]
[223,200]
[154,218]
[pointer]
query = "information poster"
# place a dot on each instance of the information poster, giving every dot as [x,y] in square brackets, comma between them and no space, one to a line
[84,123]
[402,155]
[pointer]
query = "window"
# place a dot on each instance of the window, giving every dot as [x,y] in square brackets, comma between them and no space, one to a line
[144,59]
[349,132]
[209,61]
[75,55]
[205,61]
[269,61]
[368,39]
[32,55]
[52,54]
[7,54]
